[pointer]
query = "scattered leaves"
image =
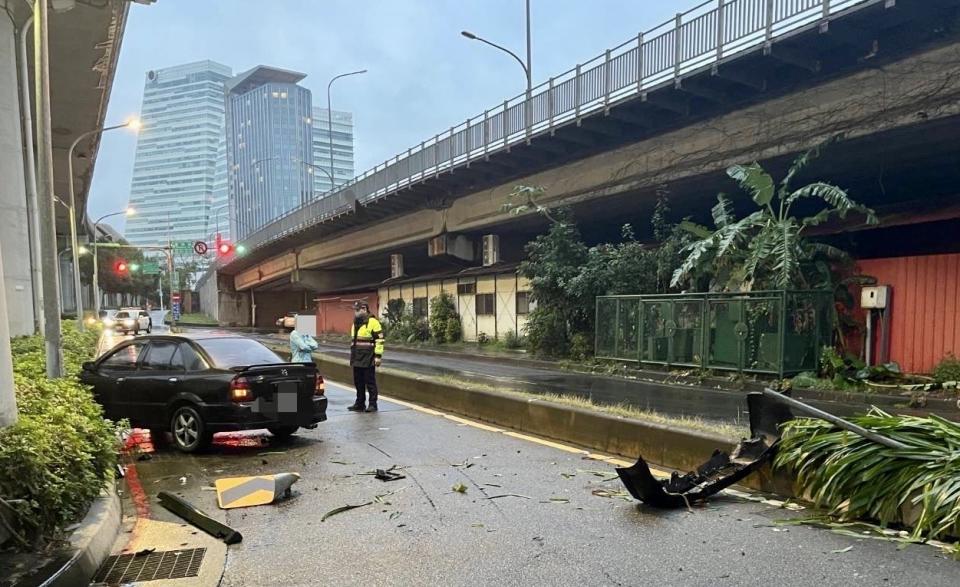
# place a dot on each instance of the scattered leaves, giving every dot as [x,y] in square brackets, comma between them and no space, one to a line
[460,488]
[343,508]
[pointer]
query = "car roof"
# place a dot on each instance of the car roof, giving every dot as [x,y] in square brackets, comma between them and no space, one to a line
[195,336]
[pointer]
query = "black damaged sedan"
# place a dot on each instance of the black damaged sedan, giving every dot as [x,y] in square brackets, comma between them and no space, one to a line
[197,385]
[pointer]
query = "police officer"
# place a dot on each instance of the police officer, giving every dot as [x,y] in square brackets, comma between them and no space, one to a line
[366,352]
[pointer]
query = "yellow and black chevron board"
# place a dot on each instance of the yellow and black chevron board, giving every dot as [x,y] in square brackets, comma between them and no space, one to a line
[241,492]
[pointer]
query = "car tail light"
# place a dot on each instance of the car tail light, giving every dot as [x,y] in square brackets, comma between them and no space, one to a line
[240,390]
[320,387]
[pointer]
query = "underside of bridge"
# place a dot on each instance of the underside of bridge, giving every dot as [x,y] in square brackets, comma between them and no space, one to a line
[886,83]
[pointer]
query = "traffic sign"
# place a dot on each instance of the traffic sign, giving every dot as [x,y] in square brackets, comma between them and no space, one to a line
[175,296]
[200,248]
[150,268]
[175,308]
[182,247]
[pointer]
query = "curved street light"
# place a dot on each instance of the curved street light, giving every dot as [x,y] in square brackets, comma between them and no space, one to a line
[133,124]
[96,278]
[330,119]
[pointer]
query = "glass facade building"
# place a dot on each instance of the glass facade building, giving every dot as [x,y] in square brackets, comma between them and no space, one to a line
[179,154]
[269,138]
[342,123]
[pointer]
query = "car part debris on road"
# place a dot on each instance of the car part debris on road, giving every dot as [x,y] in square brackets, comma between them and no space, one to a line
[719,472]
[240,492]
[388,475]
[196,517]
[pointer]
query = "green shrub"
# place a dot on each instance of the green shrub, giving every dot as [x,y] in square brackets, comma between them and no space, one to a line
[419,330]
[482,338]
[948,369]
[454,330]
[512,340]
[56,458]
[581,346]
[442,309]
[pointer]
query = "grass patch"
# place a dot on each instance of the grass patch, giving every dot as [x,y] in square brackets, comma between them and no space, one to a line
[197,318]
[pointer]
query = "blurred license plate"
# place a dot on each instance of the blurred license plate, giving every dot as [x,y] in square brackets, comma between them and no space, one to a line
[287,393]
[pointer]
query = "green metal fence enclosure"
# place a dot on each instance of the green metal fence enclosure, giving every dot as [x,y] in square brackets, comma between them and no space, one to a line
[773,332]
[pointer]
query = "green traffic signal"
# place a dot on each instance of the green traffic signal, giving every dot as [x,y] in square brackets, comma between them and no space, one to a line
[134,267]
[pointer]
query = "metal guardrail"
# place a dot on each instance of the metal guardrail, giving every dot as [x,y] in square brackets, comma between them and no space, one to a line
[704,35]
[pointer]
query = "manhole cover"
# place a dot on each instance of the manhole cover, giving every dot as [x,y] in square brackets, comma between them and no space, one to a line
[165,564]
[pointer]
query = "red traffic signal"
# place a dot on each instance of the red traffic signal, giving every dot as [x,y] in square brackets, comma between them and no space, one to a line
[224,248]
[120,267]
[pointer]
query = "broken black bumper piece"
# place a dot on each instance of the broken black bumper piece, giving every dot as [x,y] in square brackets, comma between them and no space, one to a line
[720,471]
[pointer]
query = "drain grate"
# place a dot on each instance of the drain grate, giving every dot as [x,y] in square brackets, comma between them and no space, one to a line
[166,564]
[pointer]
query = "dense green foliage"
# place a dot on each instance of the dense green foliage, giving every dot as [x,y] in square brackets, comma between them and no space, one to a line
[947,370]
[454,330]
[566,276]
[56,458]
[443,308]
[767,248]
[858,478]
[402,326]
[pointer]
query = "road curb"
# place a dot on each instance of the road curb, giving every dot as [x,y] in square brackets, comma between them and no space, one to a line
[673,448]
[92,541]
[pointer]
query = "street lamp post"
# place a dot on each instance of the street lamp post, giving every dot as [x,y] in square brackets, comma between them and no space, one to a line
[96,277]
[318,168]
[527,67]
[330,119]
[72,207]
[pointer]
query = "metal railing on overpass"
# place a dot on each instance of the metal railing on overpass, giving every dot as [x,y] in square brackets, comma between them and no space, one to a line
[713,31]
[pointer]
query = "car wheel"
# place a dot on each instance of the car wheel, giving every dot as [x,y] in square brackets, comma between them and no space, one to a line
[188,429]
[283,432]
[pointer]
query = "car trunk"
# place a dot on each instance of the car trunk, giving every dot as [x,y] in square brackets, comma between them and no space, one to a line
[283,392]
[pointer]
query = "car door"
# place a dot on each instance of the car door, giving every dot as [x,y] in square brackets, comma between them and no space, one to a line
[110,379]
[198,378]
[155,383]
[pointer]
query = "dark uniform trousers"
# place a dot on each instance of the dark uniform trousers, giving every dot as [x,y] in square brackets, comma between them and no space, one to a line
[365,380]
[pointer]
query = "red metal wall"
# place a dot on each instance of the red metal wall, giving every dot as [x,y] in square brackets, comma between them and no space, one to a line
[335,313]
[925,307]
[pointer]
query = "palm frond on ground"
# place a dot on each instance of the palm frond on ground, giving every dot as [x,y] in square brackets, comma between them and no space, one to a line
[859,479]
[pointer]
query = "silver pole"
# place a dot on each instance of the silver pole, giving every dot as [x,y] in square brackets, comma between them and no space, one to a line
[74,243]
[839,422]
[31,165]
[48,231]
[96,276]
[330,120]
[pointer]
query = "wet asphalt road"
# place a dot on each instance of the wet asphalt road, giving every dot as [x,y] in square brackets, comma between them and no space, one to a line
[423,532]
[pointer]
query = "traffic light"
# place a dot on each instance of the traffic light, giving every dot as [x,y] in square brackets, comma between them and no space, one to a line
[134,267]
[224,248]
[121,267]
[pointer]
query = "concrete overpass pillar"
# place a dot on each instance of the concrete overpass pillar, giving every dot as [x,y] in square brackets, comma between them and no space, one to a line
[233,307]
[14,237]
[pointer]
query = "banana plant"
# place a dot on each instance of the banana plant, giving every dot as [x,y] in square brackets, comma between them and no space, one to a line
[767,247]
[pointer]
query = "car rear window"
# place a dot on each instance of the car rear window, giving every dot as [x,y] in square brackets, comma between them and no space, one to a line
[121,315]
[234,352]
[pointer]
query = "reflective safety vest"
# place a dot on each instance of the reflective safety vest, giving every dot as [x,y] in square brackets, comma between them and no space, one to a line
[366,343]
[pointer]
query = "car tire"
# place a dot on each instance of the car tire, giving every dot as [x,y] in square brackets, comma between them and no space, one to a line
[188,429]
[283,432]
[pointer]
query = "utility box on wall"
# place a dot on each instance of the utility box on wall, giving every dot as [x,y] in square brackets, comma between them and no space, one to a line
[874,297]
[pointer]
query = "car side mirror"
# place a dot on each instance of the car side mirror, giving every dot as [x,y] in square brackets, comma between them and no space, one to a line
[89,366]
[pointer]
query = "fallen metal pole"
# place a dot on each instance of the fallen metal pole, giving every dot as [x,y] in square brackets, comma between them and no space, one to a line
[840,422]
[188,512]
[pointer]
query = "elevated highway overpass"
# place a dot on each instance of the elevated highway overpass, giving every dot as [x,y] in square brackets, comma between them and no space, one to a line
[666,114]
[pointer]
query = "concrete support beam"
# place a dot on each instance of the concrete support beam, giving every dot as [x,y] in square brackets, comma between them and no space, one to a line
[333,279]
[14,236]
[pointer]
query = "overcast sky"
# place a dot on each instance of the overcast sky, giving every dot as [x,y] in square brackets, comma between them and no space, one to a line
[423,76]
